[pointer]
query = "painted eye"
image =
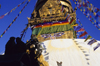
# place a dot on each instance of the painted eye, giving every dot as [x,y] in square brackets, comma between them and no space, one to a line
[46,35]
[59,34]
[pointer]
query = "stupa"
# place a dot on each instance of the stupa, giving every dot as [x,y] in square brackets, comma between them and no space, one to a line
[58,38]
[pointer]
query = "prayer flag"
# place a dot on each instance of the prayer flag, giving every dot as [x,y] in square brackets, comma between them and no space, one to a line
[94,13]
[62,8]
[65,13]
[83,34]
[14,8]
[79,6]
[71,21]
[97,10]
[92,41]
[18,5]
[1,35]
[76,28]
[97,23]
[82,29]
[85,12]
[96,46]
[96,16]
[90,16]
[87,38]
[2,16]
[29,0]
[6,13]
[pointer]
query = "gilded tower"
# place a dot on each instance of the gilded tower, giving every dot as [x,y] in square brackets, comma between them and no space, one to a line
[47,11]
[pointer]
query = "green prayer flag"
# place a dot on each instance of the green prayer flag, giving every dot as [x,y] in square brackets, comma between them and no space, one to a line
[87,38]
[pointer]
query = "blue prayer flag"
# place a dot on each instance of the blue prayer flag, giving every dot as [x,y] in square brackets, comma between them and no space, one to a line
[76,28]
[92,41]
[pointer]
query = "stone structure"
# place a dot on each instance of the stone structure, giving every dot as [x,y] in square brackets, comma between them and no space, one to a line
[49,11]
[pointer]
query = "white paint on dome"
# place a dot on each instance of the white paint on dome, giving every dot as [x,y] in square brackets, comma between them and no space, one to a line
[61,43]
[69,53]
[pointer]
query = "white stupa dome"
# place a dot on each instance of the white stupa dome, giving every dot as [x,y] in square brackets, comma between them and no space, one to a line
[71,52]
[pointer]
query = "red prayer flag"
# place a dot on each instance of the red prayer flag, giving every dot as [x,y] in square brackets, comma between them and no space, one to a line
[79,6]
[90,20]
[81,30]
[87,1]
[90,16]
[18,5]
[71,21]
[97,10]
[62,8]
[2,16]
[83,34]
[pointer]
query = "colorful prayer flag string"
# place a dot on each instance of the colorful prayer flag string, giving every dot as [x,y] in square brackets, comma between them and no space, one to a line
[86,4]
[93,21]
[1,17]
[80,29]
[13,20]
[88,36]
[23,33]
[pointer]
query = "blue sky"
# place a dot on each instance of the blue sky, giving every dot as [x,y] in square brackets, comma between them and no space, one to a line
[21,21]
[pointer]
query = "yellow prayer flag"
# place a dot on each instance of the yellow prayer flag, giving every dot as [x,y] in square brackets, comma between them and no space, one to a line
[28,0]
[83,2]
[80,9]
[91,4]
[94,13]
[75,2]
[86,16]
[84,9]
[20,12]
[10,23]
[13,20]
[89,37]
[1,35]
[92,22]
[11,11]
[95,21]
[90,9]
